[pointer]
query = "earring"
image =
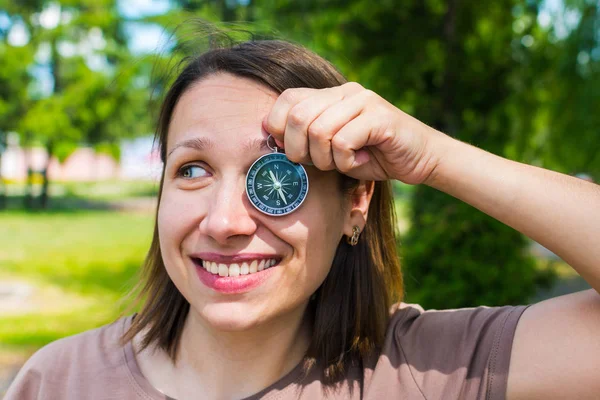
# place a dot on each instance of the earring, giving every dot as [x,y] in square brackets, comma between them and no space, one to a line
[355,234]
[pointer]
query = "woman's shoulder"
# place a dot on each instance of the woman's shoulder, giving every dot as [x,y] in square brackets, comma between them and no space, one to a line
[439,332]
[407,316]
[80,357]
[465,349]
[95,346]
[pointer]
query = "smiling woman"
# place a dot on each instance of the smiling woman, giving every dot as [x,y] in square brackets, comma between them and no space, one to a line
[243,302]
[207,226]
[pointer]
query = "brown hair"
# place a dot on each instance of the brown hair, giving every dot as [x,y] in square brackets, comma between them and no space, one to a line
[350,310]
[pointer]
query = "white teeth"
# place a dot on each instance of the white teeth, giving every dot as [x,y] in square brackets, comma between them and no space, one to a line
[236,269]
[244,269]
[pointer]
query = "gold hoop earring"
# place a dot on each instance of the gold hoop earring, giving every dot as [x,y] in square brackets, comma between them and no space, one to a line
[355,234]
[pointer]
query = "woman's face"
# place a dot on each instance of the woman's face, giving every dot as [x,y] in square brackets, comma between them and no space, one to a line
[205,220]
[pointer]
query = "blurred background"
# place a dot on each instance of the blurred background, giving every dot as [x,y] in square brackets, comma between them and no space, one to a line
[80,82]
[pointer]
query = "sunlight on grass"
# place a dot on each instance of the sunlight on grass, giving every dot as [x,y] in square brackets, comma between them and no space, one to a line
[80,263]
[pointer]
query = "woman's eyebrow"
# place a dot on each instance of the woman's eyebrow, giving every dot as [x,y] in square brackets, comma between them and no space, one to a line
[202,143]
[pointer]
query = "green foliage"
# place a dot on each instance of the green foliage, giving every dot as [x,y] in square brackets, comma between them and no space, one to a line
[48,120]
[14,81]
[110,149]
[87,104]
[64,149]
[456,256]
[470,70]
[93,97]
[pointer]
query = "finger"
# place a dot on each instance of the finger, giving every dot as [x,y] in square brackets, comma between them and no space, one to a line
[319,146]
[328,123]
[304,141]
[275,121]
[347,144]
[299,118]
[336,116]
[321,130]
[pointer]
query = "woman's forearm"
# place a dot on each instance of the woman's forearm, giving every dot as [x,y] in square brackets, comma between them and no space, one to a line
[558,211]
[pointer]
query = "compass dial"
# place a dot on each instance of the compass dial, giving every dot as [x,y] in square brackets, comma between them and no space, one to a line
[275,185]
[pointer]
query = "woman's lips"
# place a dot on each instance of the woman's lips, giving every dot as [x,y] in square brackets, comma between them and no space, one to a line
[232,284]
[233,258]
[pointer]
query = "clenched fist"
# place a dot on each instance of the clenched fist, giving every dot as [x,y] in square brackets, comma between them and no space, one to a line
[355,131]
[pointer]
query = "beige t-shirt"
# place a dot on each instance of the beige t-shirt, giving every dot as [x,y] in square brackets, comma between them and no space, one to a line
[451,354]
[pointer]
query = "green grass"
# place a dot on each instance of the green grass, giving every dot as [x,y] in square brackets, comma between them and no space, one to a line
[81,264]
[105,190]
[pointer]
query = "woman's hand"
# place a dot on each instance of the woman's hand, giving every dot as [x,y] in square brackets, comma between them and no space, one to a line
[355,131]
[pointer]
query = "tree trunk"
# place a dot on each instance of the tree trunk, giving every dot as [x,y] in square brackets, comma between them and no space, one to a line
[227,12]
[28,199]
[449,120]
[250,11]
[2,185]
[2,190]
[45,183]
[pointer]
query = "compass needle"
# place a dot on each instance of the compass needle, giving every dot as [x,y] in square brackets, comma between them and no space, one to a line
[272,176]
[282,197]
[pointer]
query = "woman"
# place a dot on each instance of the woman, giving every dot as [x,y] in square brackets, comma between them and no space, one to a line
[240,302]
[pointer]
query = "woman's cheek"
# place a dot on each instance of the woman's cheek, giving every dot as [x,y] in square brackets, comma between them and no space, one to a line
[172,221]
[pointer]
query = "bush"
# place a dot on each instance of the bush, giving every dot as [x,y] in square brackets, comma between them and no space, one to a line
[456,256]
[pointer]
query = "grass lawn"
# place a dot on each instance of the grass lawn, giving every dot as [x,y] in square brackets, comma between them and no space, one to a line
[80,263]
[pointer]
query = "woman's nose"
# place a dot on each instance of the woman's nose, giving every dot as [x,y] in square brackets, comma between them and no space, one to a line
[229,214]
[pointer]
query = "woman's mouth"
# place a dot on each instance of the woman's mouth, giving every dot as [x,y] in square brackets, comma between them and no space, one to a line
[236,277]
[237,268]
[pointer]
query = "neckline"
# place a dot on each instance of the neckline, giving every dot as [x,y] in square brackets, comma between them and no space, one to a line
[281,386]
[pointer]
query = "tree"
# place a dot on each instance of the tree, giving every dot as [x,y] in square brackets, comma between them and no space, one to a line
[455,66]
[94,97]
[14,81]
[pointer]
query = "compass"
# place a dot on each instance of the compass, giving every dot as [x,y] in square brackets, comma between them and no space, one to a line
[275,185]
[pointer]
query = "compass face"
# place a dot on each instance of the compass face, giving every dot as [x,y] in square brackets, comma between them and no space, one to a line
[275,185]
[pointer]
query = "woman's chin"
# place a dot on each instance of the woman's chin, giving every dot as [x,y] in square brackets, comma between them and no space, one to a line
[231,317]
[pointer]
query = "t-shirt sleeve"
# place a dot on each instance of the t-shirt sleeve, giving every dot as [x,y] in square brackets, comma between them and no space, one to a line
[457,354]
[87,365]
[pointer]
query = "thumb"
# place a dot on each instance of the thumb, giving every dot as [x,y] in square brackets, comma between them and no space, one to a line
[361,157]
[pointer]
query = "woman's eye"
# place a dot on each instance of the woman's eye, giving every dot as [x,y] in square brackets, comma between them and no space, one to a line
[192,171]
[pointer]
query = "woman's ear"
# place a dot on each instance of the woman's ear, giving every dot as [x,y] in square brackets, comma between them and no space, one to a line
[360,199]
